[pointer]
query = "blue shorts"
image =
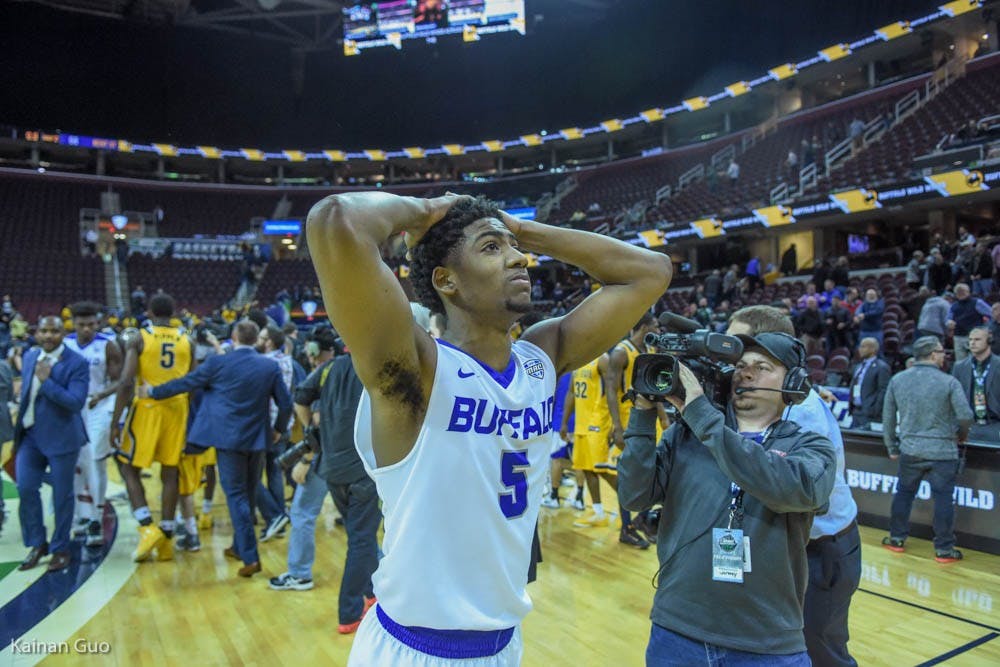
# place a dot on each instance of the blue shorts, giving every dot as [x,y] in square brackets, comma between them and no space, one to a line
[564,452]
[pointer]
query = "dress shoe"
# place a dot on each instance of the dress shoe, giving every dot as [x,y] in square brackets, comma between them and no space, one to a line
[35,555]
[60,561]
[249,570]
[230,552]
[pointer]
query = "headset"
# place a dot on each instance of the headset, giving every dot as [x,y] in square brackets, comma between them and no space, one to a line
[797,384]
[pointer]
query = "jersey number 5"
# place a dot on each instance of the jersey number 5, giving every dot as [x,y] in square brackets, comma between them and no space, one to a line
[167,355]
[512,467]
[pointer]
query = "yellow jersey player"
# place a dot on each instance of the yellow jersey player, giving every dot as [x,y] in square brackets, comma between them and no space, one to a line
[621,361]
[154,430]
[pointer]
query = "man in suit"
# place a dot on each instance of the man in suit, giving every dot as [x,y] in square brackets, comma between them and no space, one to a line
[6,425]
[979,375]
[49,435]
[233,418]
[868,384]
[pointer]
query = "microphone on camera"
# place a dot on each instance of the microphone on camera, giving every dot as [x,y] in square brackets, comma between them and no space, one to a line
[790,392]
[675,322]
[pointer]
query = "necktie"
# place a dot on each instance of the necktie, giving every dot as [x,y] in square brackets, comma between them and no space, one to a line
[36,385]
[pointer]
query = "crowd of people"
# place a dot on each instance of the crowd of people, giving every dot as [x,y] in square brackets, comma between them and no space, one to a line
[227,397]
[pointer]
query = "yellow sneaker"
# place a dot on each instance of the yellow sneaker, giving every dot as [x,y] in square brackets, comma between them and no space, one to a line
[592,521]
[205,521]
[149,538]
[165,549]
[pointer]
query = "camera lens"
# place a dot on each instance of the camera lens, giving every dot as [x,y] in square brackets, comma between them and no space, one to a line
[664,380]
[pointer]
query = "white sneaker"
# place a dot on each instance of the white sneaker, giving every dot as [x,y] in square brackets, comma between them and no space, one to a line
[578,505]
[550,502]
[286,582]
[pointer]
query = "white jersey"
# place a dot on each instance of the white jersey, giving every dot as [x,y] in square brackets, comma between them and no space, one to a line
[95,353]
[460,509]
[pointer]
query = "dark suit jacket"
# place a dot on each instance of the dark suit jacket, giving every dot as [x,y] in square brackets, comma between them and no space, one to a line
[963,373]
[873,386]
[58,427]
[6,396]
[234,408]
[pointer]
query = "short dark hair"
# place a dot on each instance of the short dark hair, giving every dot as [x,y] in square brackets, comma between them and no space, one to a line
[85,309]
[276,336]
[289,327]
[162,305]
[247,332]
[258,317]
[325,338]
[764,319]
[438,244]
[647,318]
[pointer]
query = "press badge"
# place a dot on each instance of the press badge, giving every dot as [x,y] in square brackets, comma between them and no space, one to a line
[727,555]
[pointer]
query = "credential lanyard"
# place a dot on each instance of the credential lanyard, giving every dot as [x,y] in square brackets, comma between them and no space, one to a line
[736,493]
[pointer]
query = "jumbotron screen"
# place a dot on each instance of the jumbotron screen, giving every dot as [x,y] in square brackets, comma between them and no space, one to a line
[391,23]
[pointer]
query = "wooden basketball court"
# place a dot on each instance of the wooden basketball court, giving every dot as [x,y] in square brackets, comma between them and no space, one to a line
[592,600]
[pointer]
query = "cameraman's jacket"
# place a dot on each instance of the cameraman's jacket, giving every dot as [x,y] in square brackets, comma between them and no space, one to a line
[690,472]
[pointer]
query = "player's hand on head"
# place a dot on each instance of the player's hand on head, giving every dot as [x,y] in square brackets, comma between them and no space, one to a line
[512,223]
[436,209]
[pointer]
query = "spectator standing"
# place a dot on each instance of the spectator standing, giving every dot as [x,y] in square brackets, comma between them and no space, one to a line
[982,272]
[729,282]
[979,376]
[994,327]
[733,173]
[713,288]
[809,323]
[939,276]
[966,313]
[138,301]
[933,320]
[869,381]
[830,292]
[869,316]
[789,261]
[841,273]
[915,270]
[839,323]
[934,414]
[856,132]
[753,274]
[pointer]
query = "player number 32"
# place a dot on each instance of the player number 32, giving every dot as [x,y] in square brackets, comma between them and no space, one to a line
[514,501]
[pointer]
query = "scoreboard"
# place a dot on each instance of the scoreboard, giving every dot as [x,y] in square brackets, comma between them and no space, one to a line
[393,22]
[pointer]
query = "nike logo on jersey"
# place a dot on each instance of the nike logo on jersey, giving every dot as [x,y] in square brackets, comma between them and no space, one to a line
[464,375]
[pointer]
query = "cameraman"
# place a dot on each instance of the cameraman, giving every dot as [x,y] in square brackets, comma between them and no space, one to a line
[337,389]
[721,477]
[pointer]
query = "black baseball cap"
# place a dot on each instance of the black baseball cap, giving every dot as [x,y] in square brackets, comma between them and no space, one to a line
[785,349]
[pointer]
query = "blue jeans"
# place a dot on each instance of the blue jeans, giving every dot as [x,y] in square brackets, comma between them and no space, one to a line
[669,649]
[357,502]
[271,498]
[941,476]
[238,473]
[306,506]
[982,287]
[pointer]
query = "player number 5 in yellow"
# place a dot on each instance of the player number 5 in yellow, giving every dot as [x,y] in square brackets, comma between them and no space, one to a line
[167,355]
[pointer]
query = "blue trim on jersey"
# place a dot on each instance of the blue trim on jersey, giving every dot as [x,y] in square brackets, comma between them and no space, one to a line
[449,644]
[97,336]
[51,589]
[503,379]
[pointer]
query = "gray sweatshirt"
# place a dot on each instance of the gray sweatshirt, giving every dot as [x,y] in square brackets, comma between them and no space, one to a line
[690,472]
[931,409]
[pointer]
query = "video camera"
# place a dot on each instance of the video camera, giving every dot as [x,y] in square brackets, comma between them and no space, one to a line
[709,355]
[309,443]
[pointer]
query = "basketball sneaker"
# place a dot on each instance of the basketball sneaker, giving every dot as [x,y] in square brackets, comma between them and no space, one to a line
[550,502]
[165,549]
[578,504]
[79,529]
[95,535]
[592,521]
[287,582]
[893,544]
[952,555]
[189,542]
[630,536]
[149,538]
[275,527]
[205,521]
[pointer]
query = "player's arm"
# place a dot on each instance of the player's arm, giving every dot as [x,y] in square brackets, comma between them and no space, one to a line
[569,406]
[132,342]
[114,360]
[362,296]
[612,378]
[632,280]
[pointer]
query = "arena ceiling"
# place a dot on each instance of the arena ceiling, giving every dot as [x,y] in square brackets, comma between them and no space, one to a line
[235,73]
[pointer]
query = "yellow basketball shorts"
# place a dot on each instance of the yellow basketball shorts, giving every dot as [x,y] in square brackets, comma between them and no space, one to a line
[191,467]
[589,449]
[154,431]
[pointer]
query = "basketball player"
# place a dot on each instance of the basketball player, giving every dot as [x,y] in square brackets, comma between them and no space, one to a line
[154,430]
[90,482]
[456,432]
[621,360]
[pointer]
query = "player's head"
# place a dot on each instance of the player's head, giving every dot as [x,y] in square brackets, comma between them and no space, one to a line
[646,324]
[246,333]
[50,332]
[86,320]
[162,306]
[470,262]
